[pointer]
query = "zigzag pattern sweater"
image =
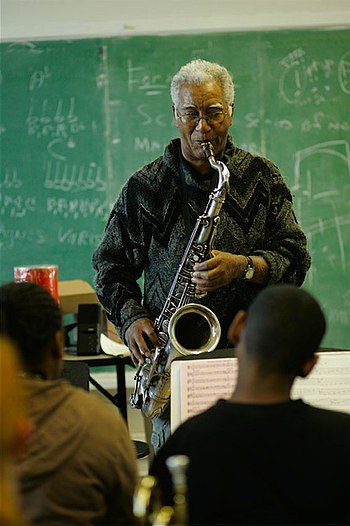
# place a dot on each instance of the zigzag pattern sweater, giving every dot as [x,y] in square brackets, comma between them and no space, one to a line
[146,232]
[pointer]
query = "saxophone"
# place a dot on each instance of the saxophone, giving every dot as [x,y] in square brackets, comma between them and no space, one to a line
[184,328]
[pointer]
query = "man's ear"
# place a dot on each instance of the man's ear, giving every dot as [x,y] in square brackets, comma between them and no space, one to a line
[174,114]
[307,367]
[236,327]
[231,112]
[176,120]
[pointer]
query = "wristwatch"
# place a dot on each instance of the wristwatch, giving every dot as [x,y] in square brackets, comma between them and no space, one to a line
[249,270]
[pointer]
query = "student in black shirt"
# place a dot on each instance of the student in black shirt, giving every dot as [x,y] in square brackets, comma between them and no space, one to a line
[260,457]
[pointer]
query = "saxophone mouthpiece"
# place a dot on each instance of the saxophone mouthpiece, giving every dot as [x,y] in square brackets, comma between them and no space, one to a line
[208,149]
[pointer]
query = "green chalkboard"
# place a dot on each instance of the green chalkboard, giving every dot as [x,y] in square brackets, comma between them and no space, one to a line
[53,183]
[78,117]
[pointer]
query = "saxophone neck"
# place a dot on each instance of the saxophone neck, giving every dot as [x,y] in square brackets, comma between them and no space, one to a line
[209,151]
[219,166]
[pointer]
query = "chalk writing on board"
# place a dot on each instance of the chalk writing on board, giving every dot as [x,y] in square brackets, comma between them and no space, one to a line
[139,78]
[17,205]
[10,237]
[37,78]
[58,148]
[147,119]
[252,120]
[339,149]
[75,208]
[74,177]
[31,47]
[77,238]
[11,180]
[344,73]
[59,121]
[319,120]
[306,80]
[316,121]
[326,227]
[146,145]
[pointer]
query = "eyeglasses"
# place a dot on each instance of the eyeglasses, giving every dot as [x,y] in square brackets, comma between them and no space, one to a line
[192,118]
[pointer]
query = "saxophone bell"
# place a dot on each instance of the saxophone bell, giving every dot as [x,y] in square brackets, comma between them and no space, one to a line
[193,329]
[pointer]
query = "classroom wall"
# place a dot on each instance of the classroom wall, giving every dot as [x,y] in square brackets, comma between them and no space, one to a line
[29,19]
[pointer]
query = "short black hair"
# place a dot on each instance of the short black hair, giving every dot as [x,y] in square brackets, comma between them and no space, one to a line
[284,328]
[31,317]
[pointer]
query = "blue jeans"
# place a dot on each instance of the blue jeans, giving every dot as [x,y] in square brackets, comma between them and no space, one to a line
[160,429]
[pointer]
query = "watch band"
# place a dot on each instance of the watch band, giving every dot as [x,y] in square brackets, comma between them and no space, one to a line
[249,270]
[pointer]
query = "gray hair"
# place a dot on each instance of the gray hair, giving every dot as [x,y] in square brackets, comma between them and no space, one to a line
[199,71]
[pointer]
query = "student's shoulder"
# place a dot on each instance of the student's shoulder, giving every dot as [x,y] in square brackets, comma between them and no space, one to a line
[328,417]
[103,419]
[204,421]
[105,433]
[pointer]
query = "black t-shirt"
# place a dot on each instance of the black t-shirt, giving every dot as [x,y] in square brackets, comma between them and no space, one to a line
[285,463]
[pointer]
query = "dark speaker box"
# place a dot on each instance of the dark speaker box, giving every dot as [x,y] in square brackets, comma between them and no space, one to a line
[89,329]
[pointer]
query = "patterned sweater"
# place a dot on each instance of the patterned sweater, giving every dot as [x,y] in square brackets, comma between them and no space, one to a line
[148,228]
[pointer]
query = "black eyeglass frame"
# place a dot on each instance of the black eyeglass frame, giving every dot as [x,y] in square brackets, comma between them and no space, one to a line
[192,119]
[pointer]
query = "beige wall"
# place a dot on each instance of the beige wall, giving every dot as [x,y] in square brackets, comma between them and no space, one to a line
[41,19]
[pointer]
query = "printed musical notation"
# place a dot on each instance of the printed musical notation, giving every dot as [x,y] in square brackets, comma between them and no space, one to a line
[198,384]
[329,383]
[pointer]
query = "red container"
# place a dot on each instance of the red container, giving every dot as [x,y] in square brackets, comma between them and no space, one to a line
[45,275]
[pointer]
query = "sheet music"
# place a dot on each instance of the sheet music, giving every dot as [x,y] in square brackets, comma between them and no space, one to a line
[202,383]
[198,384]
[328,385]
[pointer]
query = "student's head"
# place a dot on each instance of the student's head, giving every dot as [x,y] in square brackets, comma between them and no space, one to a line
[32,319]
[282,330]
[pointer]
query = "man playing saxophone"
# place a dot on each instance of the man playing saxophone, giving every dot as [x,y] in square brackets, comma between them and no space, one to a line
[258,240]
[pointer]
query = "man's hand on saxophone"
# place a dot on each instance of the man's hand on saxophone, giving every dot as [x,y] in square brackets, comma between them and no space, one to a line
[139,336]
[224,267]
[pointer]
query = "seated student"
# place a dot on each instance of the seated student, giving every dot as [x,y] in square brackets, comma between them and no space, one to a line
[260,457]
[14,430]
[80,465]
